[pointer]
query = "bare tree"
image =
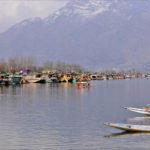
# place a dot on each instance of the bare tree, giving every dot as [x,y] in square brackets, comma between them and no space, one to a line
[60,66]
[3,65]
[12,64]
[48,65]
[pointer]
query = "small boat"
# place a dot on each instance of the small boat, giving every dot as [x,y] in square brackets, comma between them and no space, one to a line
[129,127]
[52,80]
[16,79]
[145,110]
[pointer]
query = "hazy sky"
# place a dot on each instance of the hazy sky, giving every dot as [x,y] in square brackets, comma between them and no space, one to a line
[14,11]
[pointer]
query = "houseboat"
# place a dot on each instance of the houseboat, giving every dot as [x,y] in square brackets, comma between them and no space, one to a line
[35,78]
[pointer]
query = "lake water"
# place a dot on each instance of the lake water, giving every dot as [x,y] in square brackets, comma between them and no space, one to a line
[61,117]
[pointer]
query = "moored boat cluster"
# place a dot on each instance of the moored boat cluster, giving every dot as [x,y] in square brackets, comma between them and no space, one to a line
[27,76]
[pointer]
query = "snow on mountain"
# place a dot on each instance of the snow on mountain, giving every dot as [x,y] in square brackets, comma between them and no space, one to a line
[88,8]
[93,33]
[83,8]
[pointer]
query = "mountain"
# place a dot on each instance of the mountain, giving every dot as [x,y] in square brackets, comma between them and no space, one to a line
[94,33]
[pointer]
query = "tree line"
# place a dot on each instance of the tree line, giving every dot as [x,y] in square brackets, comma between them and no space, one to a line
[15,64]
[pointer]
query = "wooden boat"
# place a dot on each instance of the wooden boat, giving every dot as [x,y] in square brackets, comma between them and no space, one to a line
[35,78]
[129,127]
[52,80]
[145,110]
[5,79]
[16,79]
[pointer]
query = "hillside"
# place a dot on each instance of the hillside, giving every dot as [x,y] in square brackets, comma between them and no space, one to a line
[95,34]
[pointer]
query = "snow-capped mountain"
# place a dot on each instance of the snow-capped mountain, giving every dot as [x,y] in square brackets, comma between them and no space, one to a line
[93,33]
[83,8]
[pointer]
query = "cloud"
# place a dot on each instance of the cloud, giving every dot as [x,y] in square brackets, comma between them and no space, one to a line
[14,11]
[8,9]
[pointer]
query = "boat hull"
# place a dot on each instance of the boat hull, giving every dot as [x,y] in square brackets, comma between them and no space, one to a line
[138,110]
[129,127]
[36,81]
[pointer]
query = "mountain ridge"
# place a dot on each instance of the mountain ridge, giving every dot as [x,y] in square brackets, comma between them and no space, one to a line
[118,36]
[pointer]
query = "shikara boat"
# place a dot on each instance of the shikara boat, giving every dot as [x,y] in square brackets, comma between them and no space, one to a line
[130,127]
[145,110]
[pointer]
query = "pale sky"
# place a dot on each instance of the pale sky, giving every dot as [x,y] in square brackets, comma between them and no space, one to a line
[14,11]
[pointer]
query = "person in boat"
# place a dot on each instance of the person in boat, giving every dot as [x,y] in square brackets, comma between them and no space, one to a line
[147,107]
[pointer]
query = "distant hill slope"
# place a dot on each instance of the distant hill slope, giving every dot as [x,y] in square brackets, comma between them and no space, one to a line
[95,34]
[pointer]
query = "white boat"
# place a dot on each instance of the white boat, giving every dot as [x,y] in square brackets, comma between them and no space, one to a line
[129,127]
[145,111]
[35,78]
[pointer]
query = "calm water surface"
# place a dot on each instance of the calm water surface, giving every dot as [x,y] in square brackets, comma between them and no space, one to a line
[61,117]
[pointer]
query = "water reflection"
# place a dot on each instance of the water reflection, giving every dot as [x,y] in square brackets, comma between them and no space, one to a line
[126,134]
[51,88]
[59,116]
[137,119]
[39,115]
